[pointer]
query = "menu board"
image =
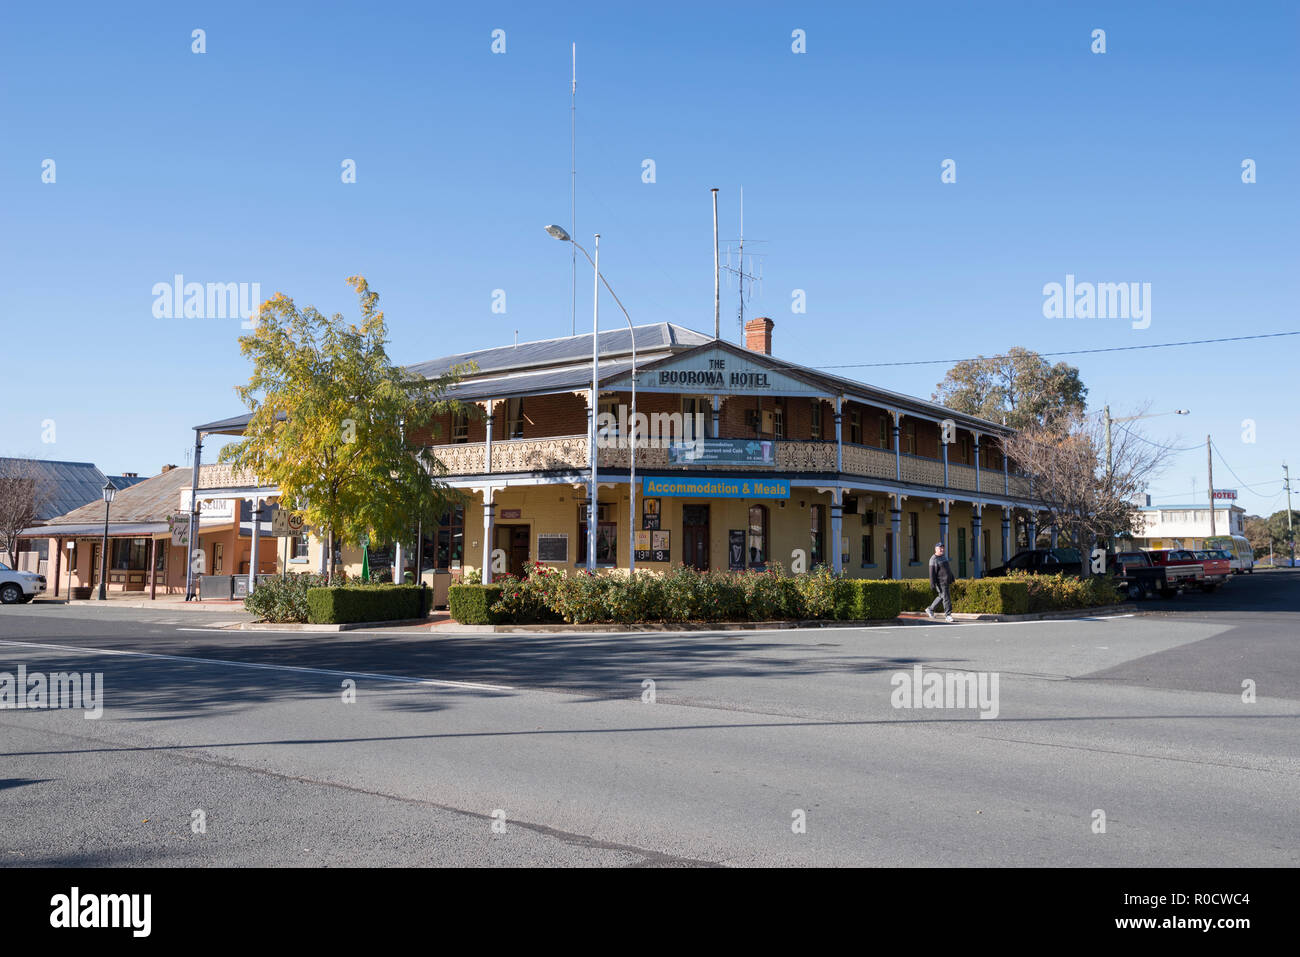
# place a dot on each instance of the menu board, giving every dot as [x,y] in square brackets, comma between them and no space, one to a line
[552,547]
[736,549]
[657,546]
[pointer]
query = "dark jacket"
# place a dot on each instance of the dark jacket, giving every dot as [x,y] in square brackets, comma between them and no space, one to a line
[940,571]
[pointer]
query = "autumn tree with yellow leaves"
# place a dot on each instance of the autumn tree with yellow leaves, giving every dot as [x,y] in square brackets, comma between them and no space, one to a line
[332,421]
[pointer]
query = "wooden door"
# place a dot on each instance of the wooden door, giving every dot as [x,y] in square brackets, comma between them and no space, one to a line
[518,553]
[695,536]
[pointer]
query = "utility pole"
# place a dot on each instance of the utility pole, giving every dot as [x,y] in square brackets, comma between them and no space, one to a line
[1290,532]
[1209,461]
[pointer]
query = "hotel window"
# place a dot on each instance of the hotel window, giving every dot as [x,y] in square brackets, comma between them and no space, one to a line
[909,437]
[963,449]
[817,535]
[450,550]
[987,553]
[609,430]
[884,432]
[300,545]
[868,549]
[514,418]
[693,406]
[606,535]
[815,430]
[778,422]
[913,537]
[855,426]
[460,426]
[757,534]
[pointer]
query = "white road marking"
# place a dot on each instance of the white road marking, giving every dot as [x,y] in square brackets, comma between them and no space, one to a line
[402,679]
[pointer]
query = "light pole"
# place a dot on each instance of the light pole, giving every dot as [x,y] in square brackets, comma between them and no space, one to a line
[109,491]
[561,235]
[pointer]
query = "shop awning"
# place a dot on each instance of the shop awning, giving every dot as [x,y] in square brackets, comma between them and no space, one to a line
[90,530]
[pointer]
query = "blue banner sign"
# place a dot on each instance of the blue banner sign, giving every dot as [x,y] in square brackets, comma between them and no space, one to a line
[722,452]
[712,486]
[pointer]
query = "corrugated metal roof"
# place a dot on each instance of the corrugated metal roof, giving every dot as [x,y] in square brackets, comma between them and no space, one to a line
[569,377]
[656,337]
[72,484]
[565,363]
[152,500]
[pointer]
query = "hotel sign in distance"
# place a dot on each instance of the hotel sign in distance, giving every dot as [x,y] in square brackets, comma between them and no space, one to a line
[712,486]
[718,371]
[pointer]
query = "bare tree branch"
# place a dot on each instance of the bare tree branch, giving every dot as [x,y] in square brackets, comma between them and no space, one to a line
[25,488]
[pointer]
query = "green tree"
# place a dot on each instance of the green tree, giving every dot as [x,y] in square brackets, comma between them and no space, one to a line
[333,421]
[1278,532]
[1018,389]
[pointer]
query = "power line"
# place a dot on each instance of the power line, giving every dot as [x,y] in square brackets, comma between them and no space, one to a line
[1235,475]
[1073,352]
[1167,448]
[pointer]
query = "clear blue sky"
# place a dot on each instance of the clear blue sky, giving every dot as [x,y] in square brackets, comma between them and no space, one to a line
[225,167]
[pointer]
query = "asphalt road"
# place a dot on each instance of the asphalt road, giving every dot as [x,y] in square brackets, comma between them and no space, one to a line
[1139,717]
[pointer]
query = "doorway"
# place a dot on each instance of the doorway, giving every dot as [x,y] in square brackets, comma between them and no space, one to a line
[513,540]
[695,536]
[961,553]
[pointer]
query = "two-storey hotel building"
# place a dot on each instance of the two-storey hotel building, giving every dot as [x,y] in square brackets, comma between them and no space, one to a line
[779,463]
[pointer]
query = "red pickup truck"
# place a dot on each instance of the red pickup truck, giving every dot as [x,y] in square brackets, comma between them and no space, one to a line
[1217,565]
[1212,575]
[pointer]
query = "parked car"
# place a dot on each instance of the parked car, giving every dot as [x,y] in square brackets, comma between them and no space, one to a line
[1175,557]
[16,586]
[1042,561]
[1140,577]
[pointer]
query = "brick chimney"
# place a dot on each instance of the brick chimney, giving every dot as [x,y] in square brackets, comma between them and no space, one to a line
[758,335]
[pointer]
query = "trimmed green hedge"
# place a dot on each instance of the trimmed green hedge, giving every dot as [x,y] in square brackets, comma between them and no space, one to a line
[472,604]
[917,593]
[687,595]
[353,603]
[990,596]
[876,599]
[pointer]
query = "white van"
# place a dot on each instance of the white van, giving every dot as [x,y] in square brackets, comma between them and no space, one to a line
[1239,548]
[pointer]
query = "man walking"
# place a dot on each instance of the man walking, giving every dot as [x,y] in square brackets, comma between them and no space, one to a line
[941,578]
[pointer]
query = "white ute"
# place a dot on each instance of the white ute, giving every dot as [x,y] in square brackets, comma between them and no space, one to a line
[19,586]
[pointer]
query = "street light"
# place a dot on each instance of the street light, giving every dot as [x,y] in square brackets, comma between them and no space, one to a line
[558,233]
[109,491]
[1131,418]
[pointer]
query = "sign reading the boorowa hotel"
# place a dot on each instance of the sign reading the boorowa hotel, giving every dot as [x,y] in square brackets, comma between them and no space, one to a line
[718,371]
[714,487]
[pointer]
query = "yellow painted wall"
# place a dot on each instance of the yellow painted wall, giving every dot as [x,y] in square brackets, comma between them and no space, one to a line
[554,509]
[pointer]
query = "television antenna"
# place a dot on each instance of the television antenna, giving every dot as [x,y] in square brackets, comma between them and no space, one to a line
[739,269]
